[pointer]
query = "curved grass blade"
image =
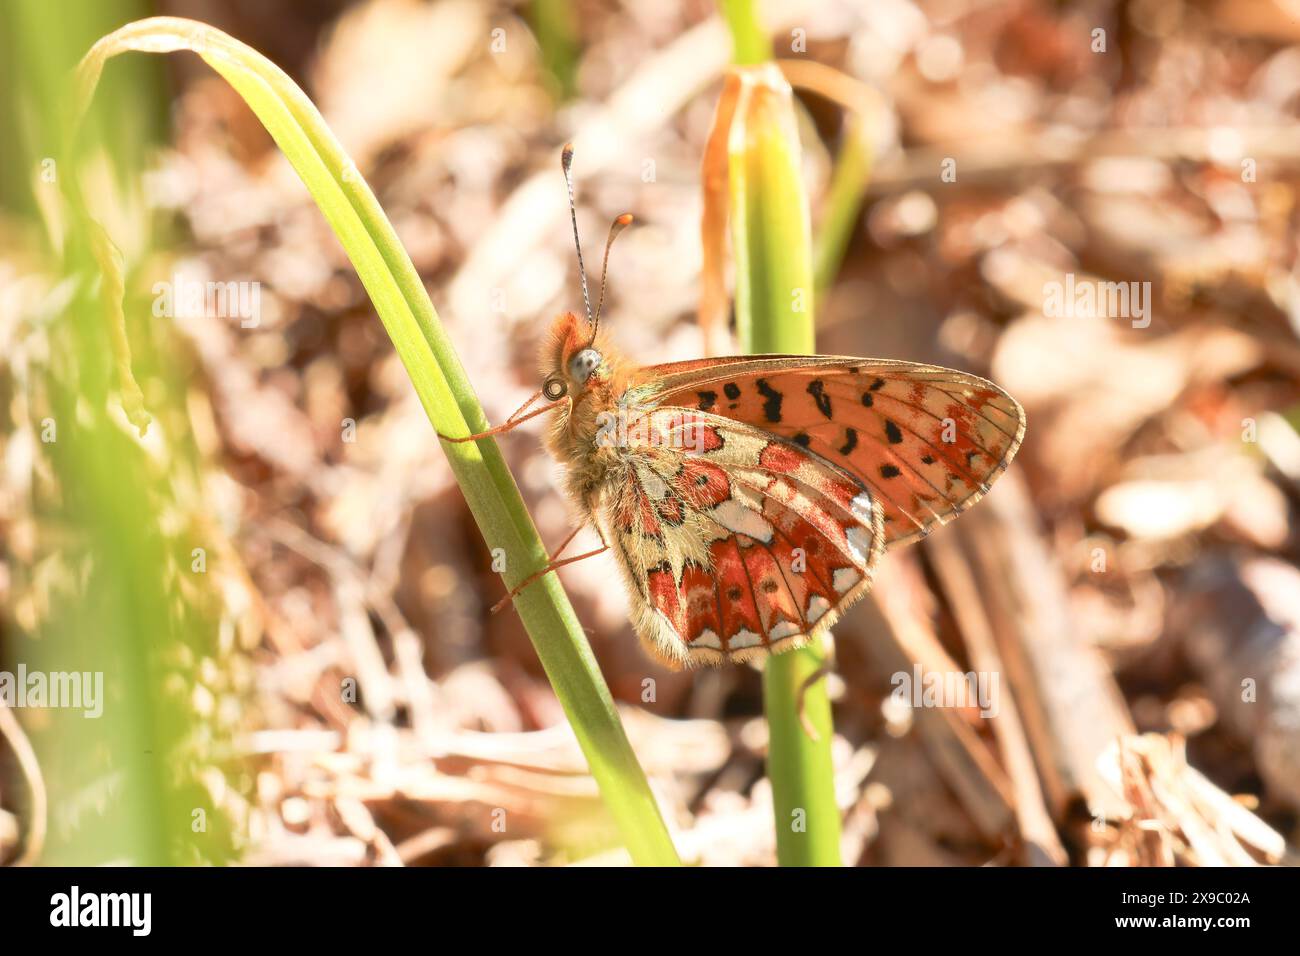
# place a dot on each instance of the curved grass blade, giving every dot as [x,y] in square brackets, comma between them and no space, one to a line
[771,236]
[440,382]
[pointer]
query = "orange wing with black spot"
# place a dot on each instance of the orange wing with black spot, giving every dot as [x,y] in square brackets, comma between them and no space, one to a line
[759,492]
[927,442]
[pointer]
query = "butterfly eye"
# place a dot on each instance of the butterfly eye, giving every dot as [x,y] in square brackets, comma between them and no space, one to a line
[583,364]
[554,389]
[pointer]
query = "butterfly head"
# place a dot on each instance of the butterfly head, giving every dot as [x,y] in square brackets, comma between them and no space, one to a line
[572,359]
[574,356]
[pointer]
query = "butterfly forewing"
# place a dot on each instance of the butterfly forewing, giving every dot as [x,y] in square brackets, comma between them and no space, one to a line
[925,441]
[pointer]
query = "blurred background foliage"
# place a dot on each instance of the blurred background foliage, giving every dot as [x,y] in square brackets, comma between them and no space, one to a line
[103,536]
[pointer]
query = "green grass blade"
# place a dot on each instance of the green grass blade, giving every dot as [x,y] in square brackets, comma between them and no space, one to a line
[843,204]
[444,390]
[774,313]
[555,26]
[103,590]
[750,45]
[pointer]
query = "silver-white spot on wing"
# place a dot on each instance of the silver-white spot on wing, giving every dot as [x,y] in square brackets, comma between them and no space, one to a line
[708,639]
[784,629]
[738,519]
[859,543]
[844,579]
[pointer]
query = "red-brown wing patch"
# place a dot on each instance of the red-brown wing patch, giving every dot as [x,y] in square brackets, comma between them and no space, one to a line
[926,441]
[773,544]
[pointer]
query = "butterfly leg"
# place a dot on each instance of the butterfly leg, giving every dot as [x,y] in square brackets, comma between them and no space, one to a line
[551,565]
[819,674]
[516,418]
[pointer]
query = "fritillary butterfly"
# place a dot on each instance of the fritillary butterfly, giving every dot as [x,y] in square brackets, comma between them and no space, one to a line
[746,500]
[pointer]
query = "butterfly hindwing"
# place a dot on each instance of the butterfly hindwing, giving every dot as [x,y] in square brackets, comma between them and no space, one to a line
[736,542]
[925,441]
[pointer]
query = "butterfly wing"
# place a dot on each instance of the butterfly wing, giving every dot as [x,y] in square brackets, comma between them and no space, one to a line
[735,543]
[926,441]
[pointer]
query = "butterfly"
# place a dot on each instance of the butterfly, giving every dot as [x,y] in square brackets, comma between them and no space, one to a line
[747,500]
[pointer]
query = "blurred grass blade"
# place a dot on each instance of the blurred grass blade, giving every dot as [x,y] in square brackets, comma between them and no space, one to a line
[750,45]
[555,26]
[714,304]
[770,230]
[774,313]
[103,598]
[444,390]
[844,202]
[852,163]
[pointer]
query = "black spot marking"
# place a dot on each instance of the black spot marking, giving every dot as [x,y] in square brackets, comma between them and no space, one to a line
[850,441]
[877,385]
[889,471]
[670,511]
[927,459]
[707,400]
[817,389]
[867,399]
[802,439]
[731,390]
[893,433]
[770,587]
[771,407]
[734,593]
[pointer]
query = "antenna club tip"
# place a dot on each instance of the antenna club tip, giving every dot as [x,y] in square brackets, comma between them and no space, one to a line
[624,220]
[566,155]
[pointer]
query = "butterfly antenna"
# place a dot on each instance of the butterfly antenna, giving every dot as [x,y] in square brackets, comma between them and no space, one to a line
[566,161]
[619,224]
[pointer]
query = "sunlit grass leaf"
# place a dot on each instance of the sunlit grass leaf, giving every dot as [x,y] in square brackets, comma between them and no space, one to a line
[753,179]
[440,382]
